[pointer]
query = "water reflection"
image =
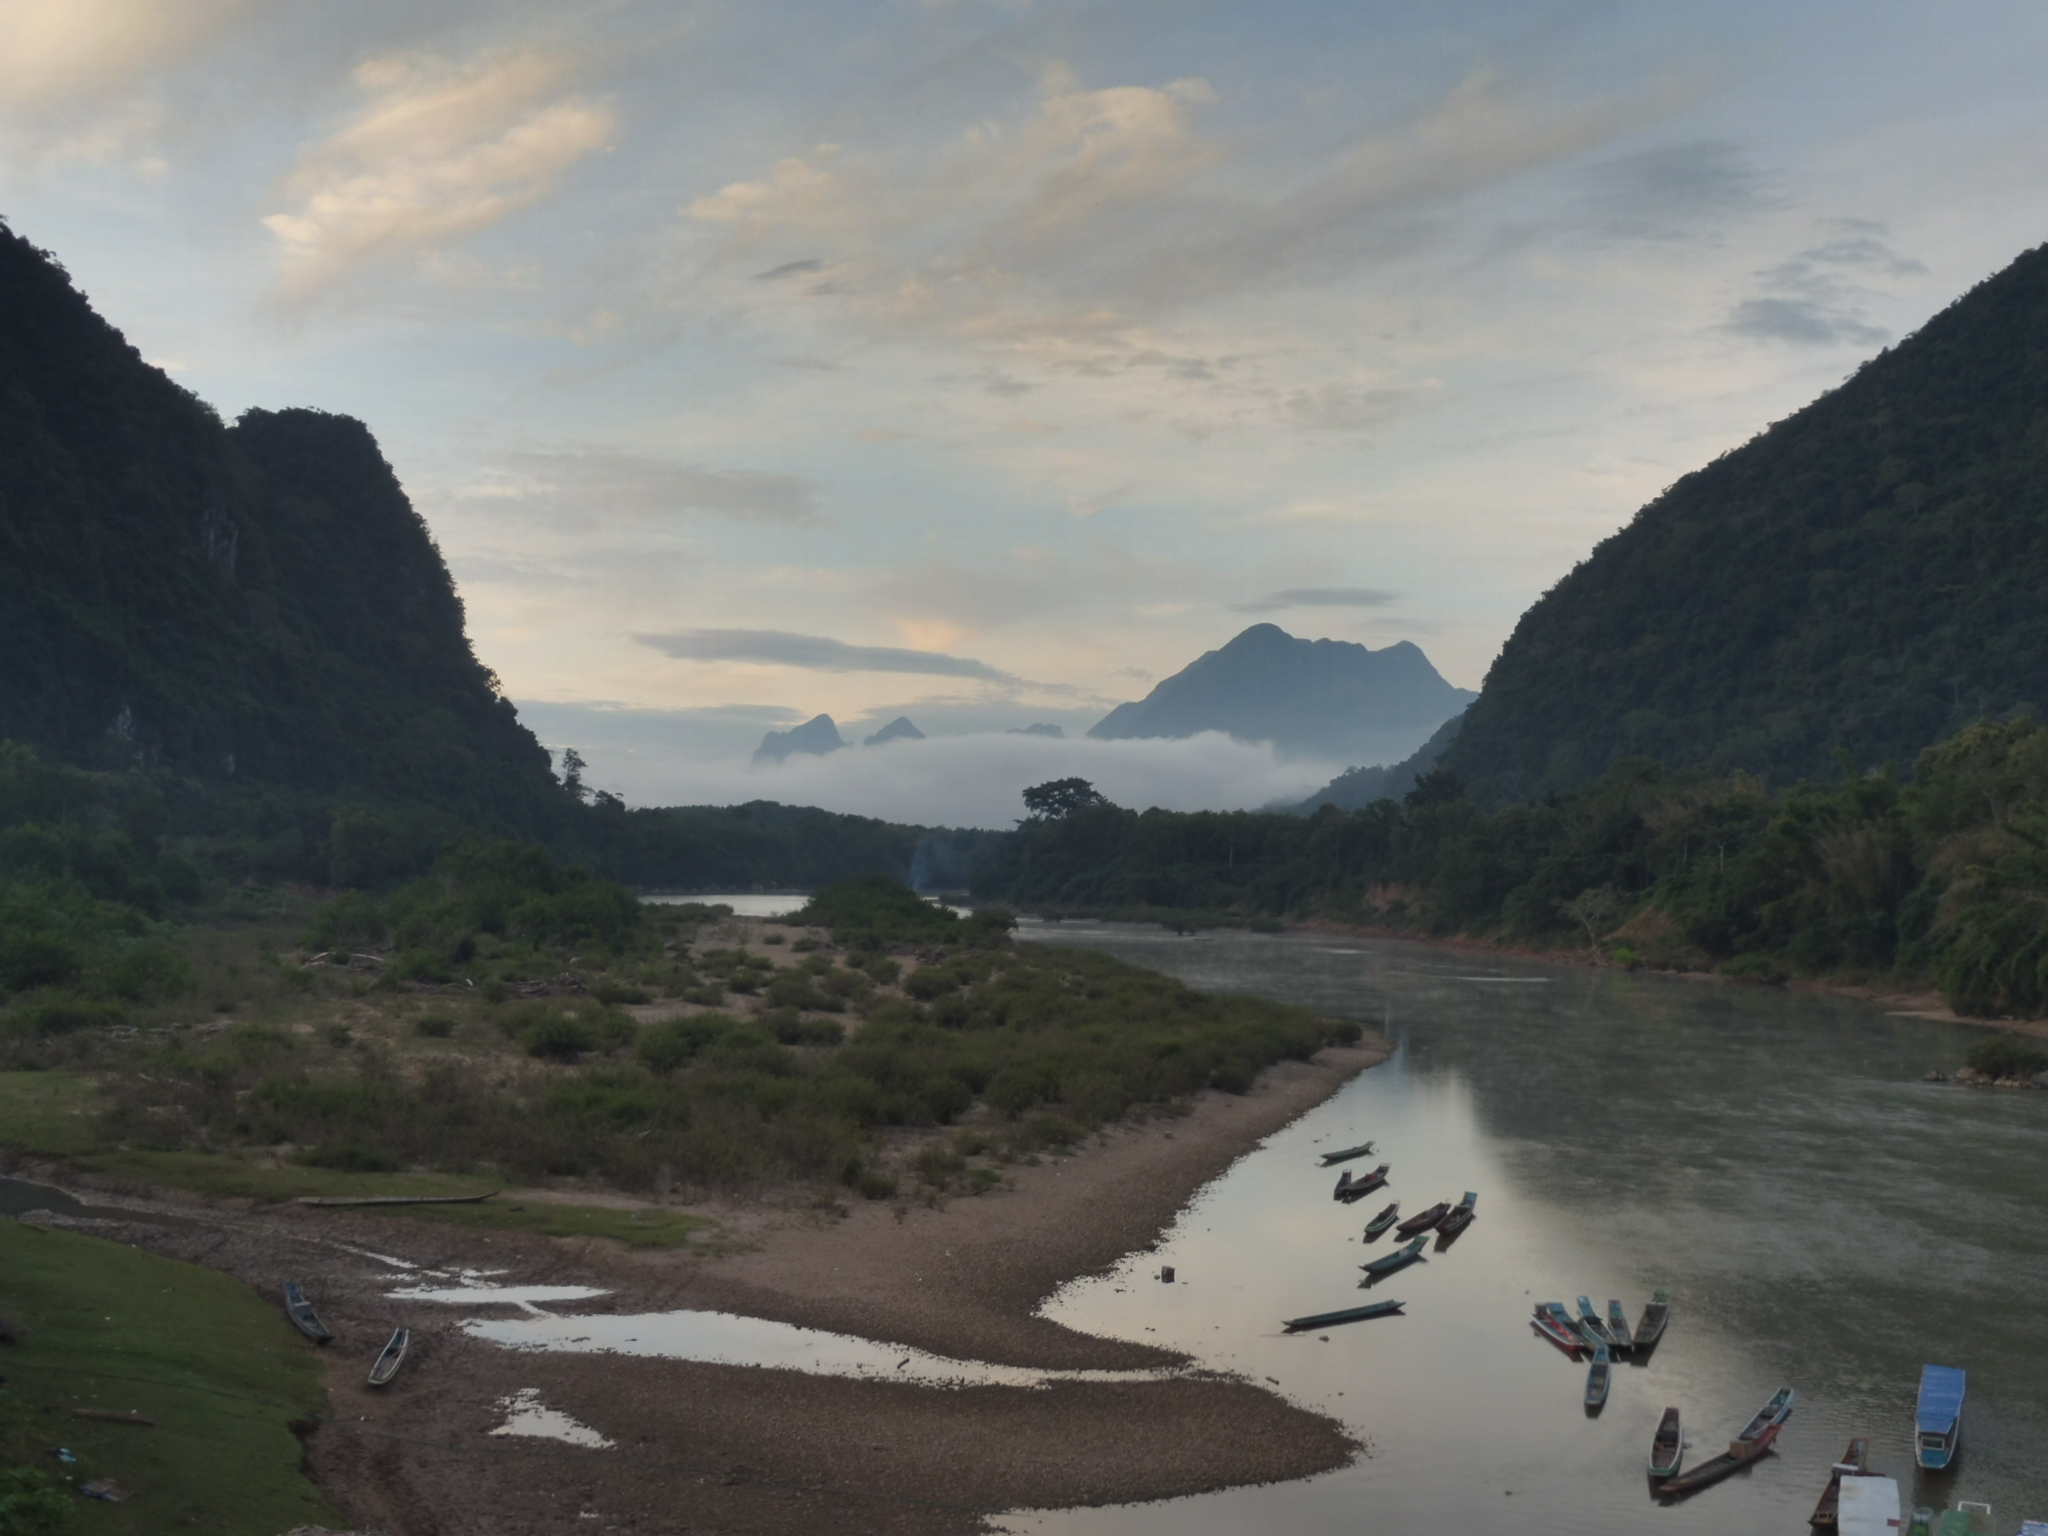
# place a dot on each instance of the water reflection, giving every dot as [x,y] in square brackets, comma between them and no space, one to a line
[1821,1215]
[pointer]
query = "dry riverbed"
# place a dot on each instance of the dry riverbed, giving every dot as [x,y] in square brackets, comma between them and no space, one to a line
[715,1448]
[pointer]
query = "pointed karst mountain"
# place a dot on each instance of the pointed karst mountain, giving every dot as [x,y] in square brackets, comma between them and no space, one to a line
[816,736]
[1863,578]
[899,729]
[257,603]
[1327,699]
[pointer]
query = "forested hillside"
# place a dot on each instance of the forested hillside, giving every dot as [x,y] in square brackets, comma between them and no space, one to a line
[257,603]
[1938,880]
[1866,577]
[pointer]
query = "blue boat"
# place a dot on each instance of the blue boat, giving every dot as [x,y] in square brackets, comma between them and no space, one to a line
[1938,1420]
[1400,1258]
[1348,1315]
[1593,1326]
[1598,1377]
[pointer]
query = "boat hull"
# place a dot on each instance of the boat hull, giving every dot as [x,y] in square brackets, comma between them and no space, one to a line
[1667,1449]
[1346,1315]
[1740,1453]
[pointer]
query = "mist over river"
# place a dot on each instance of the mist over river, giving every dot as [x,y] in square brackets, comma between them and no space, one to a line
[1823,1217]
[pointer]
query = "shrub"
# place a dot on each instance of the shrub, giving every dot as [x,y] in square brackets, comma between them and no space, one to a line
[32,1502]
[558,1037]
[2003,1056]
[435,1026]
[1761,968]
[151,973]
[613,993]
[666,1046]
[792,1028]
[350,1157]
[340,1036]
[62,1016]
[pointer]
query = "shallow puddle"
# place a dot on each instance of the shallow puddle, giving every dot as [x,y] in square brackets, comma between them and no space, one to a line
[477,1294]
[526,1414]
[723,1338]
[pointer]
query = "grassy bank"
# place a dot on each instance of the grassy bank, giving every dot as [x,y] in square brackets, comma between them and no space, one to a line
[440,1042]
[217,1368]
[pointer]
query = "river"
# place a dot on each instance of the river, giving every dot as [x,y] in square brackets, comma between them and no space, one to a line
[1823,1217]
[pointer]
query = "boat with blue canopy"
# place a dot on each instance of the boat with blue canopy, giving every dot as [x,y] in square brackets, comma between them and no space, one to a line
[1938,1420]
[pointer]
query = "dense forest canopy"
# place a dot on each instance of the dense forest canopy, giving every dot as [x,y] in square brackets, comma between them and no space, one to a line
[1939,880]
[1868,576]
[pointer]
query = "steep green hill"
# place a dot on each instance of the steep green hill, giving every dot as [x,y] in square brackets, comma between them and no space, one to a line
[1865,577]
[256,603]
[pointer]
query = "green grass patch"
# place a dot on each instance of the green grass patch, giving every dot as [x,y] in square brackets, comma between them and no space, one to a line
[214,1364]
[225,1176]
[48,1112]
[637,1227]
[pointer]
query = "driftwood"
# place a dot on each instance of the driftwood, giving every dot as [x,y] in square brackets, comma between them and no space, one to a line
[395,1199]
[114,1416]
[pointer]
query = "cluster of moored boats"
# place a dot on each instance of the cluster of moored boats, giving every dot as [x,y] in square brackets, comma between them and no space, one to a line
[307,1321]
[1443,1219]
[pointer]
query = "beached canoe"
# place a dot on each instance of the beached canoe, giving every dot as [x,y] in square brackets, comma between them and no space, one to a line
[1381,1222]
[393,1357]
[1400,1258]
[1772,1414]
[1667,1450]
[1851,1464]
[303,1317]
[1460,1216]
[1740,1453]
[396,1199]
[1347,1315]
[1593,1326]
[1655,1316]
[1599,1377]
[1617,1324]
[1564,1338]
[1422,1221]
[1356,1187]
[1331,1159]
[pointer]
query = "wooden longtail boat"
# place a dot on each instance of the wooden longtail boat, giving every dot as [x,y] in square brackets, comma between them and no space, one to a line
[1460,1216]
[1740,1453]
[1351,1188]
[395,1199]
[1381,1222]
[1851,1464]
[1599,1377]
[1387,1263]
[1422,1221]
[1331,1159]
[1592,1326]
[1556,1332]
[1617,1324]
[393,1357]
[1772,1414]
[1347,1315]
[1667,1451]
[1563,1318]
[1655,1316]
[303,1317]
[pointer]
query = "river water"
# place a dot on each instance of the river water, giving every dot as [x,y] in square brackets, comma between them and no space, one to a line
[1823,1217]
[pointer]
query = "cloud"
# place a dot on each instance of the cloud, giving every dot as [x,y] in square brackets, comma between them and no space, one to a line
[816,653]
[1816,298]
[1355,408]
[441,152]
[597,481]
[77,76]
[1318,597]
[1676,190]
[976,780]
[1063,231]
[1802,322]
[55,52]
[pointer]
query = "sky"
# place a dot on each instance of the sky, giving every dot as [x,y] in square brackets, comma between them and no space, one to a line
[986,361]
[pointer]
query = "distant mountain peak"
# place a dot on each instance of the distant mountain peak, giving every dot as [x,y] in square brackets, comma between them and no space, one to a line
[1330,699]
[1052,732]
[816,736]
[899,729]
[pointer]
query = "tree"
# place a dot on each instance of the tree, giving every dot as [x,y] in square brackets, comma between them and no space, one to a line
[1059,798]
[572,773]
